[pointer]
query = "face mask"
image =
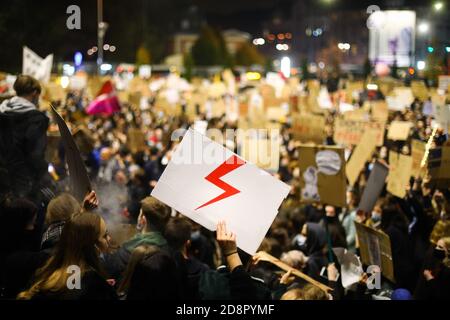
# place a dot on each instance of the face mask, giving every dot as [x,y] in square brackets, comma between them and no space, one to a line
[439,254]
[376,217]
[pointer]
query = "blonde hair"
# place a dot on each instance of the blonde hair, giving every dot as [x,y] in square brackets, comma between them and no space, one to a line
[293,294]
[61,208]
[440,230]
[446,261]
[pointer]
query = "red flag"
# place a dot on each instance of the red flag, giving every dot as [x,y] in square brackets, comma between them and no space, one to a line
[106,102]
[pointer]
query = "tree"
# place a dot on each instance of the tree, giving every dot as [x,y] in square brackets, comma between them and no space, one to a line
[142,55]
[248,55]
[206,50]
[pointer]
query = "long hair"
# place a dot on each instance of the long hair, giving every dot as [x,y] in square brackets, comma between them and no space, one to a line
[77,246]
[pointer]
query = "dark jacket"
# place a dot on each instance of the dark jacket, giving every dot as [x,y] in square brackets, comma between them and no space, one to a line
[93,287]
[23,140]
[316,240]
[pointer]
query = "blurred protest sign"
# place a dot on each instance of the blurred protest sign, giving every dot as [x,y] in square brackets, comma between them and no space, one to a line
[308,128]
[78,82]
[360,155]
[419,90]
[353,89]
[201,126]
[379,111]
[439,166]
[351,267]
[323,99]
[349,133]
[399,173]
[208,183]
[322,170]
[33,65]
[417,154]
[374,187]
[276,114]
[444,82]
[136,140]
[54,92]
[262,151]
[356,115]
[442,116]
[79,179]
[399,130]
[375,248]
[400,99]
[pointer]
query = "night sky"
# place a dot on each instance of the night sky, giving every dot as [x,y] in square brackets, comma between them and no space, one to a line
[41,24]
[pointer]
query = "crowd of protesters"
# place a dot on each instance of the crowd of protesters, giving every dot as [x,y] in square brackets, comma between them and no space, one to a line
[46,235]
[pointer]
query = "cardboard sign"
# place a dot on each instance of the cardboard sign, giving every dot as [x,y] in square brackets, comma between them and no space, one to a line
[443,82]
[399,173]
[442,116]
[417,153]
[208,183]
[136,140]
[401,99]
[361,154]
[374,187]
[379,111]
[399,130]
[263,152]
[308,128]
[419,90]
[356,115]
[322,171]
[349,133]
[79,178]
[375,248]
[439,166]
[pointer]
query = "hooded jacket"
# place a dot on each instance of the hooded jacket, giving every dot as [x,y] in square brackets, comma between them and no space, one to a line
[23,140]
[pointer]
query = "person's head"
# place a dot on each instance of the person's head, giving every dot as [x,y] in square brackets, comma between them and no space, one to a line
[330,211]
[315,237]
[154,278]
[82,240]
[295,259]
[28,88]
[440,230]
[17,218]
[442,251]
[178,234]
[293,294]
[137,255]
[311,292]
[153,215]
[61,208]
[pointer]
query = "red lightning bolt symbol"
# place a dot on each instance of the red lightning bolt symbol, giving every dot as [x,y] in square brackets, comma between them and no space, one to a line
[229,165]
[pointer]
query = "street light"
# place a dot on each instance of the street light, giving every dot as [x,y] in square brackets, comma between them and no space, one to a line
[423,27]
[438,6]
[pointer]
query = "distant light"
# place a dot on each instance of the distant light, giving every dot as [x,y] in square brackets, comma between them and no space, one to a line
[430,49]
[78,58]
[68,69]
[321,65]
[286,66]
[288,35]
[372,86]
[319,31]
[280,36]
[106,67]
[65,80]
[271,37]
[308,32]
[282,47]
[112,48]
[106,47]
[315,34]
[411,71]
[90,52]
[341,46]
[447,49]
[423,27]
[438,6]
[346,46]
[421,65]
[94,49]
[252,76]
[259,41]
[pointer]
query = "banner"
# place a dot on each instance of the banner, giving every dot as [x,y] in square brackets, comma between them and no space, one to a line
[399,173]
[360,155]
[375,249]
[33,65]
[262,151]
[399,130]
[308,128]
[322,170]
[374,186]
[379,111]
[349,133]
[80,183]
[208,183]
